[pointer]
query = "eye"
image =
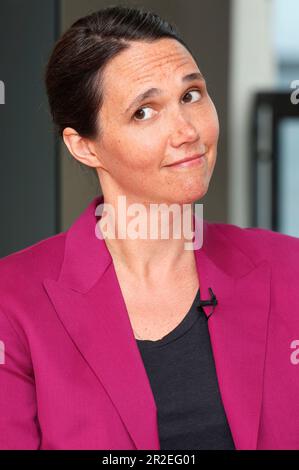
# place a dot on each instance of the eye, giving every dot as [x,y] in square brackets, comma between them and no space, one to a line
[191,91]
[140,110]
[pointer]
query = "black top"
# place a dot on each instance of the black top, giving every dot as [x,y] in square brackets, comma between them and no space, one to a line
[181,370]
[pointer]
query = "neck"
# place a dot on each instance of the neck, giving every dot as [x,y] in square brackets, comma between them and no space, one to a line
[146,241]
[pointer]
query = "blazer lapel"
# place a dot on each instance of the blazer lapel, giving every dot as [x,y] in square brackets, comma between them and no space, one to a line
[88,300]
[238,329]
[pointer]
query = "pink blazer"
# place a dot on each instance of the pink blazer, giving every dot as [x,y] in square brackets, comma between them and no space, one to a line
[72,377]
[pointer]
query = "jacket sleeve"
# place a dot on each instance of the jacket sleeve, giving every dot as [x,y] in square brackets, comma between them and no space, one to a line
[19,428]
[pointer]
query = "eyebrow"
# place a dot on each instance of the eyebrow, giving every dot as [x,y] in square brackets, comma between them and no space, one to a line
[157,91]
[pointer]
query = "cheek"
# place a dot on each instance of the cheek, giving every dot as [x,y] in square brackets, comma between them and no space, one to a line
[210,130]
[143,150]
[213,125]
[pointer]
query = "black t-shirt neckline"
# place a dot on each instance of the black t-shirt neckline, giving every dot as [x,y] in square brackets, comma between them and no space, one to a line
[185,324]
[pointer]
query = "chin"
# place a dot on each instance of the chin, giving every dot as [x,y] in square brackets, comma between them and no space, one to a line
[187,197]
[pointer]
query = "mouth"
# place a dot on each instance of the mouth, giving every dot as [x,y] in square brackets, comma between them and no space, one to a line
[193,160]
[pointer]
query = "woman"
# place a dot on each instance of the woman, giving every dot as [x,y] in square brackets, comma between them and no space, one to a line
[105,341]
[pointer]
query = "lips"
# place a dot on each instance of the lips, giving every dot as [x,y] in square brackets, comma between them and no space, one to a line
[187,159]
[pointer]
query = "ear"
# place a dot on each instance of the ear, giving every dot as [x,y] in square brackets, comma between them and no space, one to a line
[81,148]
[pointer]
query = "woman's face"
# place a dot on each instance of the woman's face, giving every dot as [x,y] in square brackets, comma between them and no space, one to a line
[139,140]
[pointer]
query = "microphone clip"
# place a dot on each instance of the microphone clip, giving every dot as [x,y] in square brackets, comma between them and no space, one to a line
[203,303]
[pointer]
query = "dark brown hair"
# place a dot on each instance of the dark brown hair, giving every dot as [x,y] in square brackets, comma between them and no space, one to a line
[73,74]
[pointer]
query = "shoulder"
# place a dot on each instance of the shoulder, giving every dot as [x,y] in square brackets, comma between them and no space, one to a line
[24,268]
[259,244]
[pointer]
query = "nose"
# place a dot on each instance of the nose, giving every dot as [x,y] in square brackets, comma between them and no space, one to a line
[184,130]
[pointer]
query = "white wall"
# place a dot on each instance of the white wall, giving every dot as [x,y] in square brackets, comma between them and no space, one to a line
[285,29]
[252,67]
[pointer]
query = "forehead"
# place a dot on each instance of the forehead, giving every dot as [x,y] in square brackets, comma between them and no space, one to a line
[145,63]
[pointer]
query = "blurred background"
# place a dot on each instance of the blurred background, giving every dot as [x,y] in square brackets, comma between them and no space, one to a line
[249,53]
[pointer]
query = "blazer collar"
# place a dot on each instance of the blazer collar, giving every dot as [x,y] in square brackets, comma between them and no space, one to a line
[103,334]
